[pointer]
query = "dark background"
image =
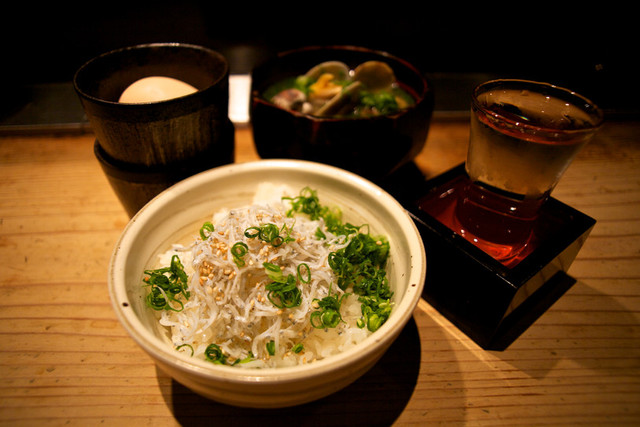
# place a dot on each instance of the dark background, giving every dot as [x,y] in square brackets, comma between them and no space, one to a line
[588,50]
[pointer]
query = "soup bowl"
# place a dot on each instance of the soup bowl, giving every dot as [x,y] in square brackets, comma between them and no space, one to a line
[372,147]
[179,212]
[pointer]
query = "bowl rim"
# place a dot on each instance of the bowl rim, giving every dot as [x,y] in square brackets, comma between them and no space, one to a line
[148,46]
[162,353]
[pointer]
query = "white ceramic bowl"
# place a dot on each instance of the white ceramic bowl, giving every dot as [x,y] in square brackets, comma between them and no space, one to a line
[180,211]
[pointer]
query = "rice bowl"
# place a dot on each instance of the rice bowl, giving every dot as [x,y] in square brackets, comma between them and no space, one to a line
[175,214]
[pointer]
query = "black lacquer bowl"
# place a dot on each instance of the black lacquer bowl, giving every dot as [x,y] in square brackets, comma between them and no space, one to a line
[164,132]
[145,147]
[372,147]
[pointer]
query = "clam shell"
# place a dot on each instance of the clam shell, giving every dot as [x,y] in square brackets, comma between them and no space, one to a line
[374,75]
[340,70]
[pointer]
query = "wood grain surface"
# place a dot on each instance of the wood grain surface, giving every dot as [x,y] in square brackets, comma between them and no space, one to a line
[65,359]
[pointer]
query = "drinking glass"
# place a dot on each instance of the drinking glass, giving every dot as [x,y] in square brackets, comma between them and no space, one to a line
[524,135]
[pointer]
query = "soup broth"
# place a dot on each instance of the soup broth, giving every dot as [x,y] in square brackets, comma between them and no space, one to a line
[331,89]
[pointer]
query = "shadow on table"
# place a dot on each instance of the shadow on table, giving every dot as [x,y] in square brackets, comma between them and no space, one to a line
[584,334]
[377,398]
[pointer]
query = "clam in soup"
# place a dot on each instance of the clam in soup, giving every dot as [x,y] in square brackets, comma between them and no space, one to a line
[332,89]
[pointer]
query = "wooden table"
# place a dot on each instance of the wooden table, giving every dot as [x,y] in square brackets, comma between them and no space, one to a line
[65,359]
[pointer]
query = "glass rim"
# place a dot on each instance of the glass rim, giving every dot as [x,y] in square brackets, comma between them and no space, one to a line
[583,103]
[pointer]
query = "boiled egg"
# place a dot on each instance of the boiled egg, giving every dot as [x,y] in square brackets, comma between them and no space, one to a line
[155,89]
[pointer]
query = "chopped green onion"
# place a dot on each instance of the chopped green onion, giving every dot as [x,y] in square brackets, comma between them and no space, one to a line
[375,312]
[382,102]
[359,265]
[269,233]
[273,271]
[238,250]
[206,227]
[167,284]
[307,202]
[328,313]
[185,345]
[252,232]
[297,348]
[284,294]
[271,348]
[320,234]
[247,359]
[304,272]
[282,291]
[214,354]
